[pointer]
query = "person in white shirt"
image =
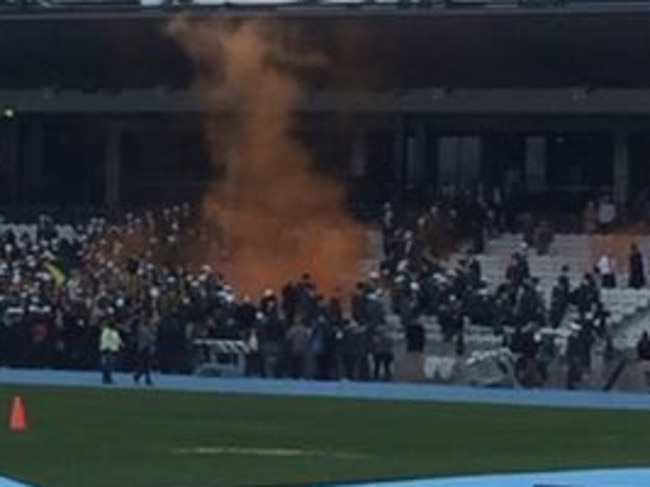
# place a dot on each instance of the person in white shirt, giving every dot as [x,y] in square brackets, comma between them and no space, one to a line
[110,344]
[606,214]
[606,268]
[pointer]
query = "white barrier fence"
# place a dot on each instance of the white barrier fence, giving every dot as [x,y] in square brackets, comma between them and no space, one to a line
[223,358]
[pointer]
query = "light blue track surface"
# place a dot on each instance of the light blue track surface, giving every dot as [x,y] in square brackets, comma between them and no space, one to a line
[587,478]
[408,392]
[357,390]
[5,482]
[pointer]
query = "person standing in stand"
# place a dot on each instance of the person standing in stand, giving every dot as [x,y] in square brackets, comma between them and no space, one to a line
[606,214]
[637,278]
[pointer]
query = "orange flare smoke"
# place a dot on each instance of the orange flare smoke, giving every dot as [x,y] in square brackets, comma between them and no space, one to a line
[279,218]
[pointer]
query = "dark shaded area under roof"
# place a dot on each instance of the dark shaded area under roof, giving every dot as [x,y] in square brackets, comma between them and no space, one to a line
[537,49]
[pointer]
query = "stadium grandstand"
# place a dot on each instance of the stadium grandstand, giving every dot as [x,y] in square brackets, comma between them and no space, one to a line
[485,162]
[526,117]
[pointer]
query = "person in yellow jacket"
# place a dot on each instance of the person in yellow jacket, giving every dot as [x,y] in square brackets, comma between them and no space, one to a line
[110,344]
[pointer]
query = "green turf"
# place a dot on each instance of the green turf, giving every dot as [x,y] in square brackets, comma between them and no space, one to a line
[98,438]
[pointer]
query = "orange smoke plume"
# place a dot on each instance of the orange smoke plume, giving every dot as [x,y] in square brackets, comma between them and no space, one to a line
[278,217]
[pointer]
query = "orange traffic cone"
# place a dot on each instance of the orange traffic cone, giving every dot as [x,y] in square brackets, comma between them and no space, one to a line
[17,418]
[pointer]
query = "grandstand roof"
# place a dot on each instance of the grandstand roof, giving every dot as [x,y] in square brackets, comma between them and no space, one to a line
[398,48]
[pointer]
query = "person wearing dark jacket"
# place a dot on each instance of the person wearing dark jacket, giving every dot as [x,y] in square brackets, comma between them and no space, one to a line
[298,341]
[560,300]
[643,347]
[574,355]
[289,302]
[321,348]
[586,295]
[145,348]
[382,355]
[643,355]
[637,278]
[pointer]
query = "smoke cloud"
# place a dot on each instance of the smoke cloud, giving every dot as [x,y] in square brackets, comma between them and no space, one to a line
[278,218]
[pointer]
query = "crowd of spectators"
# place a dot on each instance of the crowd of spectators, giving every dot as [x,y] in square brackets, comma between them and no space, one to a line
[514,309]
[120,291]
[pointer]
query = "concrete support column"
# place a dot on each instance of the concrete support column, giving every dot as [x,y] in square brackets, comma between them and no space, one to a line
[399,156]
[33,161]
[459,160]
[359,156]
[471,155]
[415,156]
[621,168]
[9,143]
[535,164]
[447,159]
[113,166]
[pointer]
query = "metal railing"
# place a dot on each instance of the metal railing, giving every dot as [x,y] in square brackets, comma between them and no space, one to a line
[8,6]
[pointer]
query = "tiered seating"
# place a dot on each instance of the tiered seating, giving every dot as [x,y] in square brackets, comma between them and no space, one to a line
[579,252]
[476,337]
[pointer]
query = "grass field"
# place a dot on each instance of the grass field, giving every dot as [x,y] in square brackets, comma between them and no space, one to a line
[138,438]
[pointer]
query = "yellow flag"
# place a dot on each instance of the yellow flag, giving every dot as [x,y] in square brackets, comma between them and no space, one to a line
[56,273]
